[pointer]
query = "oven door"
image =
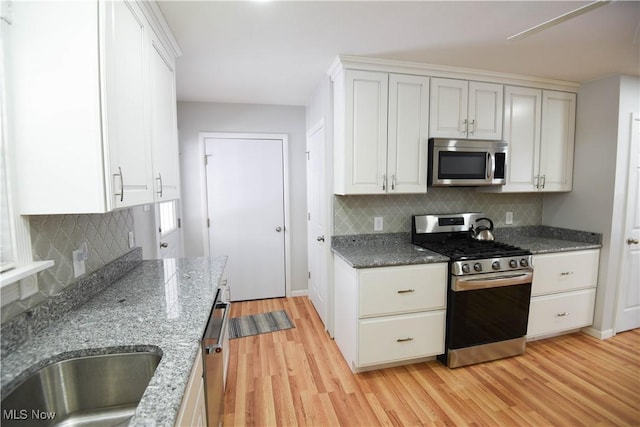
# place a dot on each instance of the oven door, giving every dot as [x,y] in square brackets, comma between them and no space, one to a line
[488,308]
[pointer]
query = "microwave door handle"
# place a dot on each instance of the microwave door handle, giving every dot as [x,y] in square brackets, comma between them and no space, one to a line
[491,167]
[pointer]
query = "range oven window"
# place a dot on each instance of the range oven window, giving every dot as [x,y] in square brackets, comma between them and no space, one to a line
[488,315]
[462,165]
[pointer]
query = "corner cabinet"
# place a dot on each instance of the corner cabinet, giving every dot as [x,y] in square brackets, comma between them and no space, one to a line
[539,126]
[389,315]
[84,128]
[465,109]
[563,292]
[381,132]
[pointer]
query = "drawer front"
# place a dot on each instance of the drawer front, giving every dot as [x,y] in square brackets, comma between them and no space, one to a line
[556,313]
[394,338]
[565,271]
[395,290]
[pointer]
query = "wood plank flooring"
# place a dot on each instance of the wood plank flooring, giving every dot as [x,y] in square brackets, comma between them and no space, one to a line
[298,377]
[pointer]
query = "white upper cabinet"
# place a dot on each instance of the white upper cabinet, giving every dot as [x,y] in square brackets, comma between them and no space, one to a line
[380,125]
[539,127]
[558,139]
[164,135]
[85,146]
[126,106]
[465,109]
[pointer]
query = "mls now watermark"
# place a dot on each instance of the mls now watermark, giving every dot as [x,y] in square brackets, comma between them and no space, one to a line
[25,414]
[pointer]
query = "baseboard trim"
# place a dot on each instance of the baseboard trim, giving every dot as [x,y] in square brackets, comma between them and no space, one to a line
[300,293]
[602,335]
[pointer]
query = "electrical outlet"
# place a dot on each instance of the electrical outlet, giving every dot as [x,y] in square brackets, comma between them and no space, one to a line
[78,262]
[509,218]
[378,223]
[132,240]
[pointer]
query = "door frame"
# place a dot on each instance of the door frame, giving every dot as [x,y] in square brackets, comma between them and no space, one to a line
[202,137]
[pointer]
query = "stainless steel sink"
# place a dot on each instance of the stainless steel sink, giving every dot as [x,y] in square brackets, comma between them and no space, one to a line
[84,391]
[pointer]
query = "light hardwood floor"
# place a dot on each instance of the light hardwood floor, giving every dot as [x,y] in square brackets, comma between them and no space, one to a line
[298,377]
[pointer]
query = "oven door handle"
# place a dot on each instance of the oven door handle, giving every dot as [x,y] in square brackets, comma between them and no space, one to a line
[217,347]
[459,284]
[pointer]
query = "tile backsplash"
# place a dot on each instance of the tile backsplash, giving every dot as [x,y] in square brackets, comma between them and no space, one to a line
[354,214]
[54,237]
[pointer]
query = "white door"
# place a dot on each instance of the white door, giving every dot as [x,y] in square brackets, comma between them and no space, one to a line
[168,242]
[245,193]
[318,239]
[629,305]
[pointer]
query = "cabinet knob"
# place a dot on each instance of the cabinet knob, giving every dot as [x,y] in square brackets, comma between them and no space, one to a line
[563,314]
[631,241]
[320,238]
[164,245]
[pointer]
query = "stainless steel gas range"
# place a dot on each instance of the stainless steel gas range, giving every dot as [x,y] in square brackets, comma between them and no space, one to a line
[489,289]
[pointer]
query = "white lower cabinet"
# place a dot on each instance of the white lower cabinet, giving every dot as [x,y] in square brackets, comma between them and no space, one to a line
[389,315]
[192,411]
[563,292]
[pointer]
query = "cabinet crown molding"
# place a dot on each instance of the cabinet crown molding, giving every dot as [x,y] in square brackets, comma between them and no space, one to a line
[353,62]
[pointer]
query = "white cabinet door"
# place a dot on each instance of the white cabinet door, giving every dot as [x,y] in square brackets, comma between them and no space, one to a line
[485,111]
[558,134]
[550,314]
[408,133]
[463,109]
[522,121]
[565,271]
[126,104]
[163,122]
[448,109]
[365,133]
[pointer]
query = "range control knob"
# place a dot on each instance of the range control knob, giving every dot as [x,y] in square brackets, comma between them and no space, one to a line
[496,265]
[477,266]
[524,262]
[465,268]
[513,263]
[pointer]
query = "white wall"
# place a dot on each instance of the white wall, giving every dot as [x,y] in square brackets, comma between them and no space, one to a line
[196,117]
[598,197]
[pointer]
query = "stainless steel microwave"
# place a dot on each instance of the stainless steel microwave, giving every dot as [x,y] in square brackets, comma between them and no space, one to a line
[466,163]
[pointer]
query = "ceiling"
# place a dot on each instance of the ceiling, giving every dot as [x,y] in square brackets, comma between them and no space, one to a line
[276,52]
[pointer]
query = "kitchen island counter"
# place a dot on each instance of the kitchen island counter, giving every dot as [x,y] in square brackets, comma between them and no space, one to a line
[160,306]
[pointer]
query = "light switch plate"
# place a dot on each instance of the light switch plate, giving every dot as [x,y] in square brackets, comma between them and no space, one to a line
[78,262]
[378,223]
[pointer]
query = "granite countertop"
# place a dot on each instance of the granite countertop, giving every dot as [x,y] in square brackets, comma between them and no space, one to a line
[384,250]
[160,305]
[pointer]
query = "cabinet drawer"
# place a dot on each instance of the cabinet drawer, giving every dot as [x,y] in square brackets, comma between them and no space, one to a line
[556,313]
[395,290]
[565,271]
[394,338]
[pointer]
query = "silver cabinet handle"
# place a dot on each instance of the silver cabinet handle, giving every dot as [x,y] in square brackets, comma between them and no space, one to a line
[384,182]
[566,273]
[164,245]
[278,229]
[393,182]
[631,241]
[465,125]
[406,291]
[320,238]
[404,339]
[563,314]
[473,126]
[544,180]
[537,184]
[121,193]
[159,178]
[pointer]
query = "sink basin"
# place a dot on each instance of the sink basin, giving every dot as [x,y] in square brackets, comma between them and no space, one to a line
[99,390]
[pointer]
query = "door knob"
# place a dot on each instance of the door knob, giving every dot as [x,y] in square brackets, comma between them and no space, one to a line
[320,238]
[278,229]
[164,245]
[631,241]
